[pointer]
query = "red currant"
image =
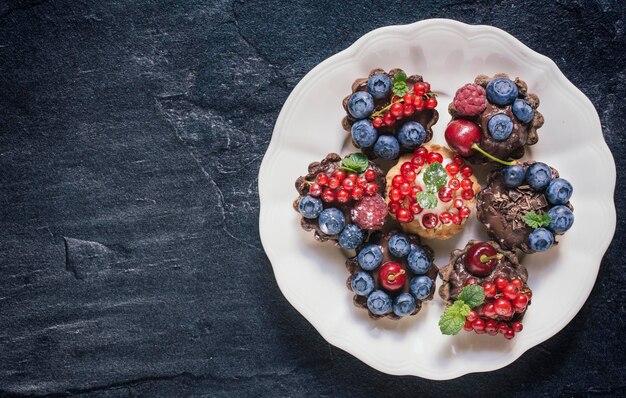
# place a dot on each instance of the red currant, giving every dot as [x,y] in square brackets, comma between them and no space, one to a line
[348,184]
[434,157]
[370,175]
[478,324]
[458,203]
[343,196]
[418,103]
[415,208]
[333,182]
[520,301]
[445,217]
[406,166]
[468,326]
[430,220]
[467,170]
[517,327]
[421,151]
[446,194]
[339,174]
[491,327]
[395,195]
[408,109]
[404,215]
[466,183]
[321,179]
[389,119]
[489,310]
[471,281]
[517,282]
[419,89]
[472,315]
[315,190]
[464,212]
[416,189]
[397,110]
[426,87]
[417,160]
[371,188]
[467,194]
[509,334]
[510,291]
[357,193]
[393,207]
[459,160]
[352,176]
[452,169]
[397,180]
[431,103]
[502,327]
[361,181]
[378,122]
[490,289]
[408,98]
[502,306]
[405,189]
[328,195]
[500,283]
[456,219]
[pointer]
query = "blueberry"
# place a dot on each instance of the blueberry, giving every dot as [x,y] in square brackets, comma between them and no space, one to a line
[411,135]
[310,207]
[523,111]
[360,105]
[501,91]
[351,237]
[370,257]
[562,219]
[379,302]
[404,304]
[379,85]
[420,287]
[364,134]
[399,245]
[538,175]
[362,283]
[541,239]
[500,127]
[559,191]
[387,147]
[418,261]
[331,221]
[513,176]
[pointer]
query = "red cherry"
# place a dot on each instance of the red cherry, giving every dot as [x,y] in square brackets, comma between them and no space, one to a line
[478,324]
[404,216]
[471,281]
[408,109]
[395,195]
[510,291]
[467,170]
[500,283]
[321,179]
[417,160]
[389,119]
[421,151]
[468,326]
[397,110]
[348,184]
[430,220]
[343,196]
[431,103]
[464,212]
[517,282]
[378,122]
[480,259]
[467,194]
[315,190]
[517,327]
[456,219]
[339,174]
[357,193]
[393,207]
[371,188]
[461,135]
[472,315]
[467,183]
[408,98]
[328,196]
[502,306]
[490,289]
[434,157]
[509,334]
[491,327]
[415,208]
[489,310]
[520,301]
[458,203]
[452,168]
[446,194]
[445,217]
[392,276]
[333,182]
[370,175]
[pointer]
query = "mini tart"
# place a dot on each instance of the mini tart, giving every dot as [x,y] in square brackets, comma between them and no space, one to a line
[382,240]
[424,116]
[455,275]
[328,165]
[449,218]
[502,209]
[522,133]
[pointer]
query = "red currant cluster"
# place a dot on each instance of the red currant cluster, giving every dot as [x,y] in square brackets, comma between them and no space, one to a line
[403,194]
[342,187]
[503,299]
[422,98]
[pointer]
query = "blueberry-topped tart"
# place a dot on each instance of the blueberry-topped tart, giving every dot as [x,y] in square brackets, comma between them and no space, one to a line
[525,206]
[391,275]
[431,192]
[341,199]
[389,113]
[485,289]
[493,119]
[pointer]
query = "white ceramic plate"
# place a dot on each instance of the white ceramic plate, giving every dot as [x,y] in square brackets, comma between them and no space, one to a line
[448,54]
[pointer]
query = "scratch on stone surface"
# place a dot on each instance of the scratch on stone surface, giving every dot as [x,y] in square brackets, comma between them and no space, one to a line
[145,200]
[24,7]
[84,258]
[245,39]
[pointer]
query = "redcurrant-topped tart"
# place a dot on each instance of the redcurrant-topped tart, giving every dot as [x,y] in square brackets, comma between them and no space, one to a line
[392,275]
[526,206]
[486,291]
[493,119]
[341,199]
[431,192]
[390,113]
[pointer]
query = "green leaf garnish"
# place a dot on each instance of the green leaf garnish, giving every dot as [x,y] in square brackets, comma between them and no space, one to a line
[472,295]
[427,200]
[453,318]
[400,76]
[536,220]
[356,163]
[399,84]
[436,176]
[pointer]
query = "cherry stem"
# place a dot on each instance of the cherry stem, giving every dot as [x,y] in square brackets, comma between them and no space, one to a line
[495,159]
[393,277]
[485,258]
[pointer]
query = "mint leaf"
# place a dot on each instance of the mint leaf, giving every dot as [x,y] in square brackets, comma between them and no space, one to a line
[356,163]
[427,200]
[536,220]
[453,318]
[400,88]
[435,175]
[472,295]
[400,76]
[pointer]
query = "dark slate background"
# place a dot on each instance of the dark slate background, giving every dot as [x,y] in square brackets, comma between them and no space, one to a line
[131,134]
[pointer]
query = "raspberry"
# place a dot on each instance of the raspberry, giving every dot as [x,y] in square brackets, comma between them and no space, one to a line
[470,100]
[370,212]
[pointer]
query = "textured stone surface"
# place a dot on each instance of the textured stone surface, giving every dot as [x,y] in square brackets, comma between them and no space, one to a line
[131,133]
